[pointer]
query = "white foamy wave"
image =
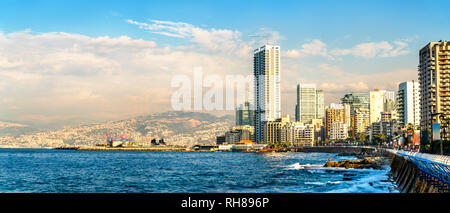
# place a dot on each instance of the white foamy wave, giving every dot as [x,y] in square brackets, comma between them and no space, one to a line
[298,166]
[371,183]
[315,183]
[323,183]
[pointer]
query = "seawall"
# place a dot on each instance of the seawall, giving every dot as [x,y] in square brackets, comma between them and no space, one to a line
[410,179]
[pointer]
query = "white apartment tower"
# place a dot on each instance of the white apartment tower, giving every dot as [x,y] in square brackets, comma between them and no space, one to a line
[266,70]
[408,103]
[376,105]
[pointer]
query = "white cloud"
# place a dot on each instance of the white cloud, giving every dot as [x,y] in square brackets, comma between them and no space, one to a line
[374,49]
[215,40]
[60,75]
[314,48]
[364,50]
[54,76]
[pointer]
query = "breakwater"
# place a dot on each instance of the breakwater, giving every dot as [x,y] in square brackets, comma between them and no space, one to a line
[419,173]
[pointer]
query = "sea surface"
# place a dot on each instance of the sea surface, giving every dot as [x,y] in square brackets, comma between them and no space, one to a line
[69,171]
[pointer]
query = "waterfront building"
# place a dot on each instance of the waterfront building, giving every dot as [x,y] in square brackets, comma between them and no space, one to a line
[376,105]
[266,70]
[303,135]
[245,114]
[408,98]
[434,75]
[297,134]
[381,128]
[336,113]
[310,103]
[338,131]
[360,121]
[220,139]
[283,130]
[272,129]
[235,135]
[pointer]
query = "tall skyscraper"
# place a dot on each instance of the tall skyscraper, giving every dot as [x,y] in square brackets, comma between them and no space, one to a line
[244,114]
[434,74]
[320,107]
[310,103]
[356,101]
[376,106]
[408,98]
[266,70]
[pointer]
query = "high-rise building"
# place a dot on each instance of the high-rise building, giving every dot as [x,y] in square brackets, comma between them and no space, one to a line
[360,121]
[266,70]
[320,106]
[337,113]
[434,75]
[376,106]
[408,98]
[389,104]
[310,103]
[356,100]
[245,114]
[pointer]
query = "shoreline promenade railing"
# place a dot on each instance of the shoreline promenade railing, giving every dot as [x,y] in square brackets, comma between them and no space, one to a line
[431,167]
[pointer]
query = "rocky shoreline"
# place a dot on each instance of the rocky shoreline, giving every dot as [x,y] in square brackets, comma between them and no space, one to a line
[366,163]
[372,160]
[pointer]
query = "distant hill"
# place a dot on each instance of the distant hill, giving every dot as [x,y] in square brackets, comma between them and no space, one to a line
[15,129]
[176,127]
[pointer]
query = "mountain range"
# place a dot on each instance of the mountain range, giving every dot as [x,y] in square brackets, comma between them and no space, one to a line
[175,127]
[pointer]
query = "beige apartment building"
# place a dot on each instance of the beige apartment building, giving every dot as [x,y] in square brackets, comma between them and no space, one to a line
[360,121]
[434,77]
[337,113]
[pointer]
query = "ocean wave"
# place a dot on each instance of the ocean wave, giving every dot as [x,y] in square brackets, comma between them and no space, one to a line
[298,166]
[370,183]
[323,183]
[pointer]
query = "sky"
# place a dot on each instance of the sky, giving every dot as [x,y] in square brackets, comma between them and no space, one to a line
[66,62]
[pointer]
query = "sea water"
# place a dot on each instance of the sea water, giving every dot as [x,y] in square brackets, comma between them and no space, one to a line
[69,171]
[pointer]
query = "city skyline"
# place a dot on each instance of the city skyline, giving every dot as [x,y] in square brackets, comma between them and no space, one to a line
[60,63]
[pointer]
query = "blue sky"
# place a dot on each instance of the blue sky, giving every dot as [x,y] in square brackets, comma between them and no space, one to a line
[50,49]
[297,20]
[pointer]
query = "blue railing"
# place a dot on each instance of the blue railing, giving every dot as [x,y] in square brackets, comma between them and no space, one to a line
[431,166]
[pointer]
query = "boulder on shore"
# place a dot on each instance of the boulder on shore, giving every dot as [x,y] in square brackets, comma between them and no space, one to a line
[366,163]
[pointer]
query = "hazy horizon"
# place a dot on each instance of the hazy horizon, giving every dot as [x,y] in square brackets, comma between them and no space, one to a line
[65,62]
